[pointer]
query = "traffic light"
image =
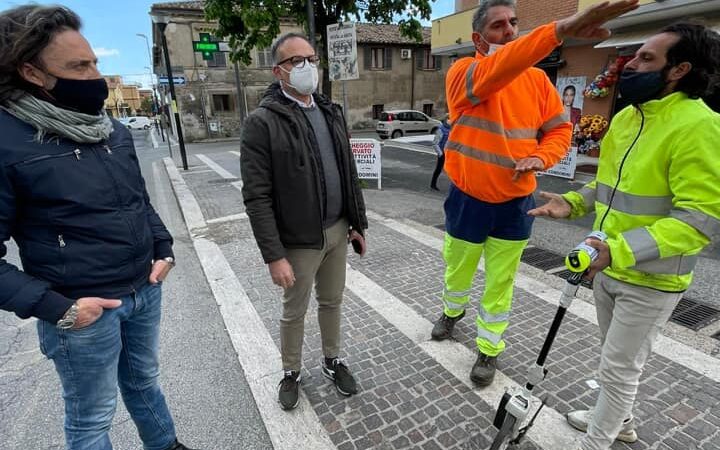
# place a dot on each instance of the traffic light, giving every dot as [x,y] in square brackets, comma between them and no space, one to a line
[157,56]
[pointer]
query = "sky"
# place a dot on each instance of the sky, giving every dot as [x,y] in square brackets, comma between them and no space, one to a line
[111,27]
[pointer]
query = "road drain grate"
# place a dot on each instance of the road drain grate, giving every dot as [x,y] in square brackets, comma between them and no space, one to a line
[694,315]
[542,259]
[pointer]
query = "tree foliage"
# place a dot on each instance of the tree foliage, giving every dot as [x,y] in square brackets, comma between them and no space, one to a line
[256,23]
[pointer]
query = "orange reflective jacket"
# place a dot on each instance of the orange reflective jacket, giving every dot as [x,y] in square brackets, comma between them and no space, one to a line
[499,106]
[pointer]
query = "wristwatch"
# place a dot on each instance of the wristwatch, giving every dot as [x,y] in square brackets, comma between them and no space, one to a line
[170,260]
[68,320]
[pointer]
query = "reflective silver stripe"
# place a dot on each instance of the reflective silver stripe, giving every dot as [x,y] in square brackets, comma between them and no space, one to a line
[706,224]
[643,245]
[496,128]
[588,195]
[469,84]
[456,294]
[554,122]
[643,205]
[482,155]
[493,318]
[493,338]
[676,265]
[453,305]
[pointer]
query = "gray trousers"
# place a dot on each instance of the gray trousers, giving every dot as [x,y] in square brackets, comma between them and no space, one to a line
[325,269]
[630,318]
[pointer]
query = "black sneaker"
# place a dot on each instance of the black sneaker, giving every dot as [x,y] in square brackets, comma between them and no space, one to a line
[483,371]
[178,446]
[341,376]
[288,390]
[444,327]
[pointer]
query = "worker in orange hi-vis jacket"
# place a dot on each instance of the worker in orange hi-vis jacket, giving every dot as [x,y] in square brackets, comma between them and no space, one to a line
[508,122]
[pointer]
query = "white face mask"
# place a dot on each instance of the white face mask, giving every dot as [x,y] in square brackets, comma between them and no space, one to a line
[303,79]
[492,48]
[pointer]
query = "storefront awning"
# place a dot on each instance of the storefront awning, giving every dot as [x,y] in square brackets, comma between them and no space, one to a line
[638,37]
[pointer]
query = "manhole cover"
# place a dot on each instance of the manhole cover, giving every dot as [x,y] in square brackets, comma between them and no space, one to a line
[694,315]
[542,259]
[224,181]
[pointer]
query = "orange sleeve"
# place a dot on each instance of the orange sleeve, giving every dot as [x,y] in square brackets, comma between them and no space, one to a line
[471,80]
[556,128]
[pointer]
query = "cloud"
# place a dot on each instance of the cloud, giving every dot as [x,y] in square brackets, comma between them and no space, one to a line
[104,52]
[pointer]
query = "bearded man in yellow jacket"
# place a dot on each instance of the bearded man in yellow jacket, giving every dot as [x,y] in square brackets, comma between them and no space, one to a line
[657,197]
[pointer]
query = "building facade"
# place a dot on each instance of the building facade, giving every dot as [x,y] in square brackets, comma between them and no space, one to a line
[591,67]
[394,73]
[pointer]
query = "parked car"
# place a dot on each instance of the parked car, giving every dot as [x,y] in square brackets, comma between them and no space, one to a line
[407,122]
[138,122]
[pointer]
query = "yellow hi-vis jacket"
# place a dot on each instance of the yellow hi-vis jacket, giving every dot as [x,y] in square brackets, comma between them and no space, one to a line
[663,206]
[498,105]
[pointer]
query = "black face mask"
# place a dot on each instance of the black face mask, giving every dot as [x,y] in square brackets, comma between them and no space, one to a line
[85,96]
[641,87]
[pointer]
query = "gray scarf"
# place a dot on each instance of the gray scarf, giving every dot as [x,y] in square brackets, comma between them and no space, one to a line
[48,119]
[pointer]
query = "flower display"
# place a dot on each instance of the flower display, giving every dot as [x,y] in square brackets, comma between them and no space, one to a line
[589,131]
[600,86]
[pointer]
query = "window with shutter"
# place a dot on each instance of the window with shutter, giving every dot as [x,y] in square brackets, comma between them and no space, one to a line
[264,58]
[377,59]
[218,57]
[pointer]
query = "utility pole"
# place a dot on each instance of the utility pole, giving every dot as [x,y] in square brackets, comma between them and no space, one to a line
[311,22]
[162,25]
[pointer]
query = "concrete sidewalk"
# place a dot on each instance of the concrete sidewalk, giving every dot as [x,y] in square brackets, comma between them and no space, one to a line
[415,393]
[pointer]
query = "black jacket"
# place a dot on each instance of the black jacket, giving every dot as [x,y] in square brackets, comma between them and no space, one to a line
[282,173]
[80,216]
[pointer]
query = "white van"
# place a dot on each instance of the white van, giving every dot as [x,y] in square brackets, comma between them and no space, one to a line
[138,122]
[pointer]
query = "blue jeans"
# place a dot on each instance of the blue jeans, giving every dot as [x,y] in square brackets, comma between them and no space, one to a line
[119,349]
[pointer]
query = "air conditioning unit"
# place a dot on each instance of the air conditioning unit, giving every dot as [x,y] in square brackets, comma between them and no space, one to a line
[405,53]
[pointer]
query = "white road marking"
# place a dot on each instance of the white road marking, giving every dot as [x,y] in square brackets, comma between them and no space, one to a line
[253,344]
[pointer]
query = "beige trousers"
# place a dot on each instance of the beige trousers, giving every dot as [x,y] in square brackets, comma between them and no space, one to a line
[630,318]
[326,269]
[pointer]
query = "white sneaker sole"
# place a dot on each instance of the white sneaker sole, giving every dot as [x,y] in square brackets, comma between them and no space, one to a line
[629,437]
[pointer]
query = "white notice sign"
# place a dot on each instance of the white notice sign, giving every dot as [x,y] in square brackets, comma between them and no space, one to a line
[367,159]
[565,168]
[342,52]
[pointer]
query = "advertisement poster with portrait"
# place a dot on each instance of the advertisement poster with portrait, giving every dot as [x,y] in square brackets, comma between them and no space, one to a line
[571,93]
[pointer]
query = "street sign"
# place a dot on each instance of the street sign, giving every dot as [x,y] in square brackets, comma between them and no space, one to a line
[368,162]
[176,80]
[565,168]
[342,51]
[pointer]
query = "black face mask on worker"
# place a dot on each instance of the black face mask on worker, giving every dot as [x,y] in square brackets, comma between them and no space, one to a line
[85,96]
[641,87]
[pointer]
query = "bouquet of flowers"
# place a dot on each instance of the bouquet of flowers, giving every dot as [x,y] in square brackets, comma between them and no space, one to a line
[590,129]
[600,86]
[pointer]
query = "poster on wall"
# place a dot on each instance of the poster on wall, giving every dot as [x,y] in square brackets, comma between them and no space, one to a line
[571,93]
